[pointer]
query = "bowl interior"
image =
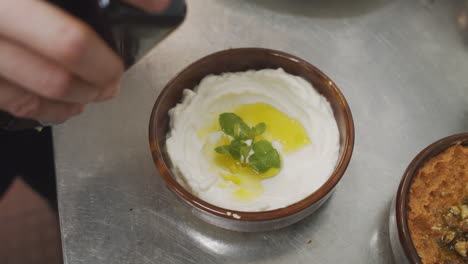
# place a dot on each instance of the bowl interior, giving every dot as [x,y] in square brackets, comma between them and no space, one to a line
[405,184]
[236,60]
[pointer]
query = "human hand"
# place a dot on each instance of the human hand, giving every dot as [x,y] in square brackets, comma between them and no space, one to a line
[53,64]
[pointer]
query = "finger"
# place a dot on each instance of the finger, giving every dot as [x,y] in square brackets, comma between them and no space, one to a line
[38,75]
[60,37]
[110,92]
[153,6]
[24,104]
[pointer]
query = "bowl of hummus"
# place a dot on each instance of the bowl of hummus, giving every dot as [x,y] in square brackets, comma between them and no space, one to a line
[251,139]
[429,216]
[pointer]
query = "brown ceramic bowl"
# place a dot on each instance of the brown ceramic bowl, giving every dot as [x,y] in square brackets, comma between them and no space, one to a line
[400,238]
[235,60]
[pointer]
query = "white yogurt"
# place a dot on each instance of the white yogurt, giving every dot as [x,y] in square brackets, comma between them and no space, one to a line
[302,172]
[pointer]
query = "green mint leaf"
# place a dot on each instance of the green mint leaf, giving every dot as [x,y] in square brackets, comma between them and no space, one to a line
[235,148]
[259,129]
[232,125]
[262,147]
[265,157]
[244,151]
[223,150]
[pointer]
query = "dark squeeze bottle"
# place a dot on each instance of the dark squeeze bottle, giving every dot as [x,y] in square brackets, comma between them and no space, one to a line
[122,26]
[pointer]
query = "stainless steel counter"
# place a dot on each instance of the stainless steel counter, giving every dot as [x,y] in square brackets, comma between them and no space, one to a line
[402,65]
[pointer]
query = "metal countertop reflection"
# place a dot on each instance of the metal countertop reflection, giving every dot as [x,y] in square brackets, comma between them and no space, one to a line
[402,65]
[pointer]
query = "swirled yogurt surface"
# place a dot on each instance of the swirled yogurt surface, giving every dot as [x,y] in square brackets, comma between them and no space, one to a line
[300,125]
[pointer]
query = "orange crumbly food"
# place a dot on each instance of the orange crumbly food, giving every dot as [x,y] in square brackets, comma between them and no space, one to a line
[440,184]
